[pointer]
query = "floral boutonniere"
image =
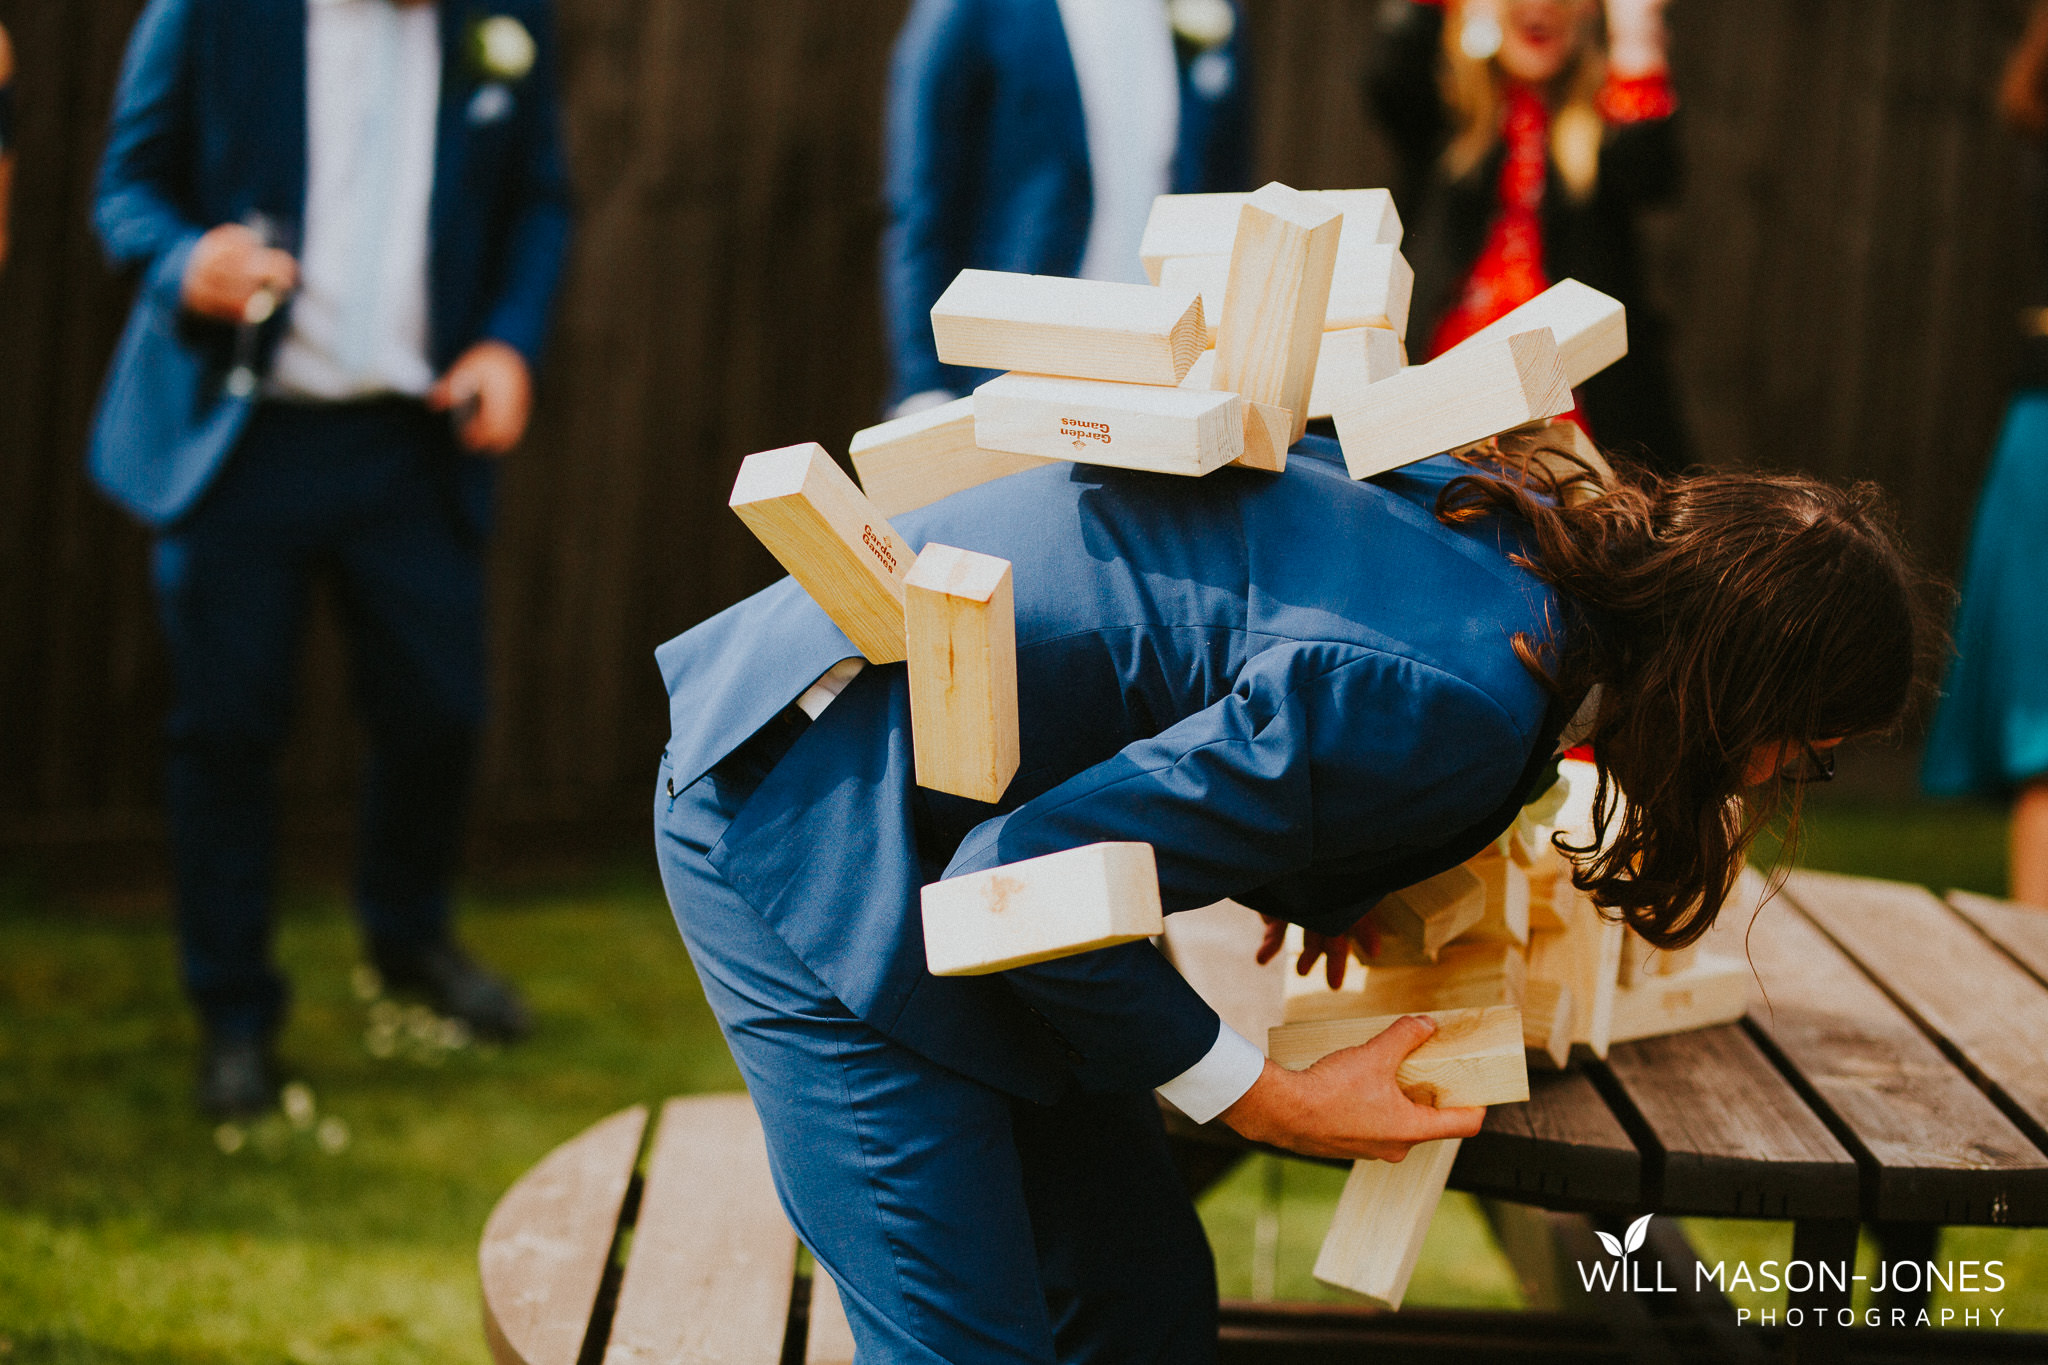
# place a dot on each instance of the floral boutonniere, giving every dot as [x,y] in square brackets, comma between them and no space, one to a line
[1203,25]
[501,49]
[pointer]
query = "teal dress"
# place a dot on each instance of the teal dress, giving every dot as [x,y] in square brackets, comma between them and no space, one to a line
[1990,734]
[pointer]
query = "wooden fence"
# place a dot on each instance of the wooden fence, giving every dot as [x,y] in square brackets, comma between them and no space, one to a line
[1843,268]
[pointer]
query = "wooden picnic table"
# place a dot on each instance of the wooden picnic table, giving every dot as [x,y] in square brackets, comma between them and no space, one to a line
[1892,1071]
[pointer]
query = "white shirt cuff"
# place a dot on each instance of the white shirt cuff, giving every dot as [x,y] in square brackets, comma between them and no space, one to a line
[826,690]
[1219,1080]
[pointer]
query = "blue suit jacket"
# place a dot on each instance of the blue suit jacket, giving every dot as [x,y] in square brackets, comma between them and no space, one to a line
[1298,689]
[209,126]
[987,158]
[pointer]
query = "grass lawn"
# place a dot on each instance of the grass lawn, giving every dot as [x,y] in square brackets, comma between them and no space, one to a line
[132,1231]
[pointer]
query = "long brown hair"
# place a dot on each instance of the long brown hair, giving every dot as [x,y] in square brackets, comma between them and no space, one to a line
[1718,613]
[1472,91]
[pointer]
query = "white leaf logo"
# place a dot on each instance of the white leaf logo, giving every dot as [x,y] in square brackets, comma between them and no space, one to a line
[1637,1231]
[1607,1240]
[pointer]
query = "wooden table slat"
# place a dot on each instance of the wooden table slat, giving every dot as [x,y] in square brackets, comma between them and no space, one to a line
[1955,984]
[1931,1138]
[1735,1138]
[2021,930]
[545,1247]
[1562,1149]
[713,1263]
[830,1341]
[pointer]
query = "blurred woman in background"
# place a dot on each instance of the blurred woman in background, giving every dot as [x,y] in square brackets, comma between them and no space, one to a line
[1531,134]
[1990,735]
[6,138]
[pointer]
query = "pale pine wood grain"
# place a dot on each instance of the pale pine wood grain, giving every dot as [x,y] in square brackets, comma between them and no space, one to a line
[1416,922]
[1713,990]
[545,1247]
[1382,1216]
[1547,1020]
[1370,287]
[1464,976]
[1081,329]
[713,1262]
[916,460]
[961,622]
[1474,1057]
[830,1340]
[1215,948]
[1505,895]
[1348,361]
[1589,327]
[1586,957]
[1129,426]
[831,539]
[1206,224]
[1057,905]
[1462,396]
[1281,264]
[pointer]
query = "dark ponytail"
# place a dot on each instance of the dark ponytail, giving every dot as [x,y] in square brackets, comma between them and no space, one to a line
[1717,613]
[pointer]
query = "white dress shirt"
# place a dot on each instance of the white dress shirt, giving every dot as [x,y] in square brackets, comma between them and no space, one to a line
[373,90]
[1130,102]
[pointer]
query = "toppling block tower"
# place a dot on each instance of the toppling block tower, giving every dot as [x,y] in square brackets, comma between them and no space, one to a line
[1282,260]
[1095,896]
[915,460]
[1086,329]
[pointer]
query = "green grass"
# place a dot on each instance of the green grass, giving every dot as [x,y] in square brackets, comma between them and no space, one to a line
[127,1233]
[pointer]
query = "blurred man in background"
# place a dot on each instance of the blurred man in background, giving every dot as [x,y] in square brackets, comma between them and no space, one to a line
[6,139]
[1033,135]
[350,218]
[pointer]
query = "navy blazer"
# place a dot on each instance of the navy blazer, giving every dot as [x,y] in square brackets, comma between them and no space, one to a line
[987,158]
[1300,690]
[209,126]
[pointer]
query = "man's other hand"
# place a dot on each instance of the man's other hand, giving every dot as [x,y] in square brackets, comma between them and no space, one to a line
[491,391]
[229,267]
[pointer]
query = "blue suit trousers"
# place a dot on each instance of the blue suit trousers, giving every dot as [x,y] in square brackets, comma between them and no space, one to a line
[373,500]
[960,1224]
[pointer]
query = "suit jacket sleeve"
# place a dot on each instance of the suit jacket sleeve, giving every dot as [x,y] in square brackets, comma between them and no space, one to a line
[1320,752]
[933,130]
[147,164]
[537,235]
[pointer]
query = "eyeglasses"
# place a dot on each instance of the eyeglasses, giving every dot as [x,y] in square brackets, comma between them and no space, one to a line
[1809,765]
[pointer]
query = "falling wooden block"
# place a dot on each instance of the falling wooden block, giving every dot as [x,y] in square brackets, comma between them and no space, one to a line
[1083,329]
[1382,1217]
[1714,990]
[1476,1056]
[1095,896]
[962,634]
[1462,396]
[1464,976]
[1589,327]
[1506,889]
[1130,426]
[1547,1020]
[916,460]
[831,539]
[1206,224]
[1370,287]
[1416,922]
[1349,360]
[1281,264]
[1268,431]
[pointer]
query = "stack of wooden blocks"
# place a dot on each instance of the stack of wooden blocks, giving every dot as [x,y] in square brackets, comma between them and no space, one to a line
[1266,310]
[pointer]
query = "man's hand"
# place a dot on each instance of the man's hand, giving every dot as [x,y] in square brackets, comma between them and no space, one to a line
[1347,1104]
[1334,950]
[491,391]
[229,267]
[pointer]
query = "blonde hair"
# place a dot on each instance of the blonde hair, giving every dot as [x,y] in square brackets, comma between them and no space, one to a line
[1472,90]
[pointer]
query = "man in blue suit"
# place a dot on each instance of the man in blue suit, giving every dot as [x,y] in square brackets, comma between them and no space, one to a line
[1033,135]
[350,218]
[1301,690]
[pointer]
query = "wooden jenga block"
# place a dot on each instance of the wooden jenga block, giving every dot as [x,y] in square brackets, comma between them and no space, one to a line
[1075,901]
[1130,426]
[1675,961]
[962,633]
[1476,1056]
[1281,264]
[1506,887]
[1206,224]
[1549,878]
[1636,955]
[1547,1020]
[1464,976]
[1310,996]
[1714,990]
[1382,1217]
[831,539]
[1586,957]
[916,460]
[1589,327]
[1416,922]
[1349,360]
[1268,431]
[1083,329]
[1216,949]
[1370,287]
[1462,396]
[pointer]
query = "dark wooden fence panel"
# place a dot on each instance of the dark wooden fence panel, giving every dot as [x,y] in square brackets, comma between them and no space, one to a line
[1842,267]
